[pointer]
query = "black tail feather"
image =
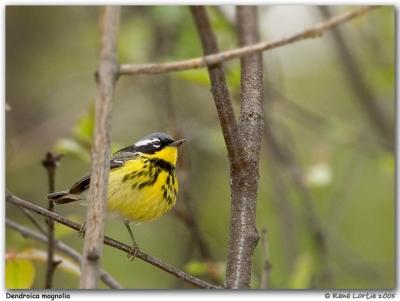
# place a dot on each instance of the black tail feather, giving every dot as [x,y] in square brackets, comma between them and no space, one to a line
[63,197]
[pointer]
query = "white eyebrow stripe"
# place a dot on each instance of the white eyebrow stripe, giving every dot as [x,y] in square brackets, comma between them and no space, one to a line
[147,141]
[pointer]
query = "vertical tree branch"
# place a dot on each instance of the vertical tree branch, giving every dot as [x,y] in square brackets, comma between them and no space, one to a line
[106,79]
[243,234]
[219,88]
[50,163]
[355,77]
[243,160]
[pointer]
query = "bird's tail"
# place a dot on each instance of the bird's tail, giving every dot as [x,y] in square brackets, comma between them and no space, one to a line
[63,197]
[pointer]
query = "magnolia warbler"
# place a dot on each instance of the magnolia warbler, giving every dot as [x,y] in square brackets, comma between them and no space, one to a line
[142,182]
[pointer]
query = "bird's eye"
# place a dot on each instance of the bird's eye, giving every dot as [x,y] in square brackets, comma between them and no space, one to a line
[156,144]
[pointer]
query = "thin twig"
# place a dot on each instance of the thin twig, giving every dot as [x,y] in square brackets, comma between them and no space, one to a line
[62,247]
[219,88]
[111,242]
[50,163]
[96,212]
[30,216]
[220,57]
[243,161]
[188,217]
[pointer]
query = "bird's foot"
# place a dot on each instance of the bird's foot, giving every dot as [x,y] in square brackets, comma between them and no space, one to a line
[133,252]
[82,230]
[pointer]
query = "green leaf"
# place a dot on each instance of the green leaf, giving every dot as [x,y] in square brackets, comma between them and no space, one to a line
[72,148]
[83,130]
[196,268]
[20,273]
[199,76]
[216,270]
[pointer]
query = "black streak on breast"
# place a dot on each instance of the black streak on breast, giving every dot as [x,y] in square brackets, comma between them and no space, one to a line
[151,170]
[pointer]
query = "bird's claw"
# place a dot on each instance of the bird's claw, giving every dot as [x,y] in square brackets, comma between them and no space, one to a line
[133,252]
[82,230]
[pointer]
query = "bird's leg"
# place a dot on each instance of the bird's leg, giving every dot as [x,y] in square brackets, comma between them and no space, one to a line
[82,230]
[135,248]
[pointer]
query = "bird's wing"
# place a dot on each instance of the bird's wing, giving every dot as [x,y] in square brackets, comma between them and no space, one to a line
[118,160]
[81,185]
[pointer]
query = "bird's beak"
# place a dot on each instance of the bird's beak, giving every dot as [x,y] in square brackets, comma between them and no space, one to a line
[177,142]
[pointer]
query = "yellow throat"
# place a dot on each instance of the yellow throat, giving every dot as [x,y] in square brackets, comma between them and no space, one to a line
[168,153]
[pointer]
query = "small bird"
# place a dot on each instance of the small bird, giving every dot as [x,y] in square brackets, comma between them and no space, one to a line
[143,185]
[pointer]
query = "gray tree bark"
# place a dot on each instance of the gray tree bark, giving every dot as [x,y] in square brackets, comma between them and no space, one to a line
[95,219]
[243,233]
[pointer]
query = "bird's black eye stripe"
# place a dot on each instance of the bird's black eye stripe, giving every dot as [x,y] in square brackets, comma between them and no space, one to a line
[148,146]
[153,143]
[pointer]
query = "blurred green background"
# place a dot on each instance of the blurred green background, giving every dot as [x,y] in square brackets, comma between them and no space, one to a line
[344,165]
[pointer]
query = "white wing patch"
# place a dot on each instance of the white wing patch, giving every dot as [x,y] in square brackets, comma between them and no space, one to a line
[147,141]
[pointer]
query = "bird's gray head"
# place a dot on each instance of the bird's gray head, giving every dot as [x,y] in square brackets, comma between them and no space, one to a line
[153,143]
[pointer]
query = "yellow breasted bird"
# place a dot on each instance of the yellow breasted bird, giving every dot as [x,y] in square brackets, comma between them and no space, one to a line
[142,182]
